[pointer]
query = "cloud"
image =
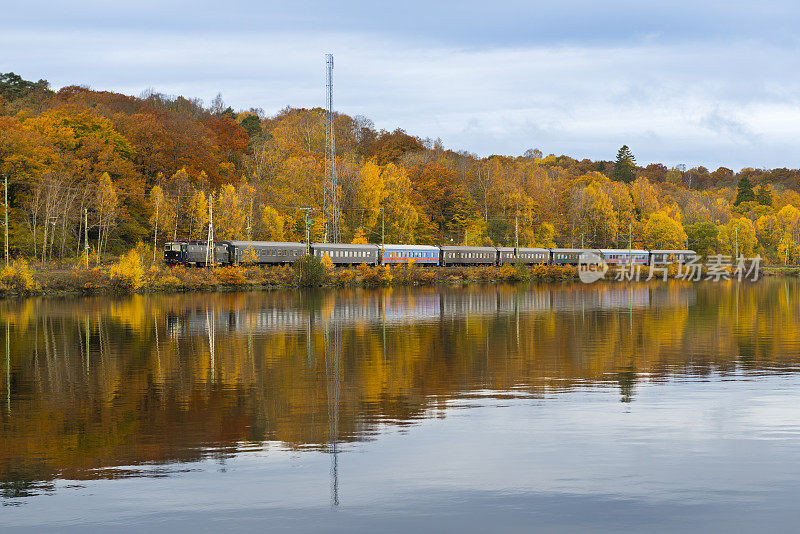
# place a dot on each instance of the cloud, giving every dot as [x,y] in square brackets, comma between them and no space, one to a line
[723,125]
[673,96]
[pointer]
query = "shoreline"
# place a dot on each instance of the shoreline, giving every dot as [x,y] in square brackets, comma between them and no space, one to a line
[123,279]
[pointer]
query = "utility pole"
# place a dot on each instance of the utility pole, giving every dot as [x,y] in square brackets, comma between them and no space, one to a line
[383,228]
[155,233]
[5,181]
[736,233]
[250,219]
[86,236]
[516,235]
[630,245]
[307,209]
[210,241]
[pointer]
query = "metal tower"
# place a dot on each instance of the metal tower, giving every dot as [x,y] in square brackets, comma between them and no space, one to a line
[330,207]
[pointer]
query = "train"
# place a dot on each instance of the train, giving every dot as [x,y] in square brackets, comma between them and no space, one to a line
[195,253]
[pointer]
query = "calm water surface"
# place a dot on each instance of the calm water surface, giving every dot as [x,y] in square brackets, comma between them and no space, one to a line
[557,408]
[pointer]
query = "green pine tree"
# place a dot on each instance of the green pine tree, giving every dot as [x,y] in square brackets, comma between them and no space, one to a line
[745,191]
[625,166]
[764,196]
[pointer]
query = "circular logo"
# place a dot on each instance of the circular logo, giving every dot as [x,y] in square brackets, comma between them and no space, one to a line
[591,267]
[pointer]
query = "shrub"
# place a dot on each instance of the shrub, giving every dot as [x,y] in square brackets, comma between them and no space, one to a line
[128,273]
[522,271]
[16,277]
[508,272]
[145,252]
[375,276]
[310,271]
[249,256]
[230,276]
[406,274]
[427,276]
[344,277]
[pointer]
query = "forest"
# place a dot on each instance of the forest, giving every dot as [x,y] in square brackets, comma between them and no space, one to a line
[115,170]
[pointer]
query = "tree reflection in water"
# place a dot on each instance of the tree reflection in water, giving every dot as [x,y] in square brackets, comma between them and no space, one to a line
[94,383]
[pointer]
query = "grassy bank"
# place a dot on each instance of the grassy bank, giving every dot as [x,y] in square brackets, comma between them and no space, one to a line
[780,270]
[131,274]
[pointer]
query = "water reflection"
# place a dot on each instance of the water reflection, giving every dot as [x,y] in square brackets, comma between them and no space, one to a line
[95,383]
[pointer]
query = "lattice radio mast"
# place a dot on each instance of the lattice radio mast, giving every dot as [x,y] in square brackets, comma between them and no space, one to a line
[330,208]
[210,249]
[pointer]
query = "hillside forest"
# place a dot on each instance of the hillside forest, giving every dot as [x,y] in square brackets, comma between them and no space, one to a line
[124,170]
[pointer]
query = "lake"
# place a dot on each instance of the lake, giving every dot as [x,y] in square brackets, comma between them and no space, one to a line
[561,407]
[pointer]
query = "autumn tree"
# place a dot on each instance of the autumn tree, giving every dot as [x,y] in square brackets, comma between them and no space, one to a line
[443,198]
[198,214]
[596,216]
[738,235]
[702,237]
[106,205]
[272,224]
[768,233]
[229,214]
[163,214]
[645,197]
[400,214]
[662,232]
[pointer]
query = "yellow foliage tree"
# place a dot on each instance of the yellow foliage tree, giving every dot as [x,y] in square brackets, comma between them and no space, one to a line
[662,232]
[229,217]
[272,224]
[645,197]
[545,235]
[400,213]
[596,216]
[163,214]
[363,194]
[198,210]
[788,219]
[106,202]
[768,233]
[358,237]
[738,233]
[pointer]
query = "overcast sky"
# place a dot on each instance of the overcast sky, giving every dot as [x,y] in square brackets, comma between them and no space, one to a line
[696,82]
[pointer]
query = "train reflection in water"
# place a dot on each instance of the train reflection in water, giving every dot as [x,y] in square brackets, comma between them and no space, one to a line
[398,307]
